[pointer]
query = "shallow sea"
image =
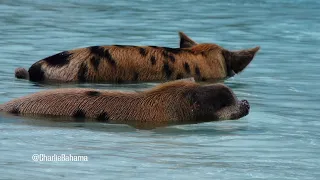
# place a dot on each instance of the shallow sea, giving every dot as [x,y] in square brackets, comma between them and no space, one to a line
[279,139]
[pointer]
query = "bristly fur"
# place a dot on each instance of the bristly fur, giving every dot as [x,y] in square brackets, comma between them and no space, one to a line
[176,102]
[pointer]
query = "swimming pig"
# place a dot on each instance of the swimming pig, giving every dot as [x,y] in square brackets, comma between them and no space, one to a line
[120,63]
[176,102]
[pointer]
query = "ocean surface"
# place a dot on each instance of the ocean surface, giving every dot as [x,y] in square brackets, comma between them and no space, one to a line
[279,139]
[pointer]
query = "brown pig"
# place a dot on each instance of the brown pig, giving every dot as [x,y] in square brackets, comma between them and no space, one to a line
[176,102]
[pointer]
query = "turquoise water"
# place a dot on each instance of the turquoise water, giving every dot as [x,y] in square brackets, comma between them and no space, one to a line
[279,139]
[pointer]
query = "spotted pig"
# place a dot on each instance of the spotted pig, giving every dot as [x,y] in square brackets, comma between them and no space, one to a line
[122,63]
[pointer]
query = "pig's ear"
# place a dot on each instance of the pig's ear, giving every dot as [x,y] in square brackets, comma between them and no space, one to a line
[185,41]
[237,61]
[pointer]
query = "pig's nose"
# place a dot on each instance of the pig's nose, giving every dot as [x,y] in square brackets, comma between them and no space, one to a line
[245,103]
